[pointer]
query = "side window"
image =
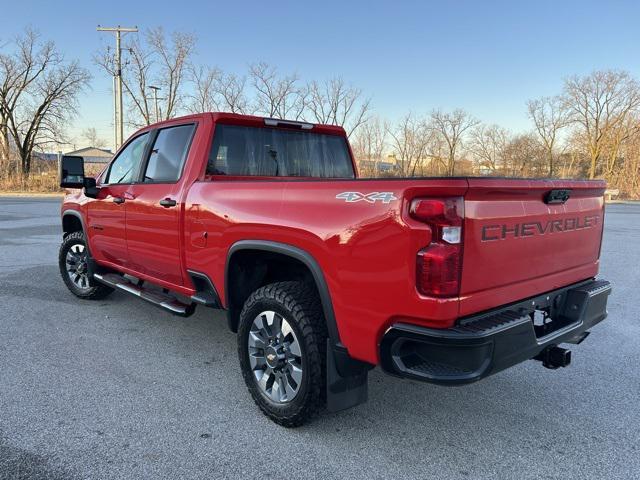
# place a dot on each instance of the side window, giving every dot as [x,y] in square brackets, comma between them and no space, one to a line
[168,154]
[125,166]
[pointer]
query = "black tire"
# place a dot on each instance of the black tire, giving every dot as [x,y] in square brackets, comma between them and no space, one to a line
[88,289]
[299,304]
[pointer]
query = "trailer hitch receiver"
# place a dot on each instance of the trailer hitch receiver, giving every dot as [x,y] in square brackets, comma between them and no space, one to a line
[554,357]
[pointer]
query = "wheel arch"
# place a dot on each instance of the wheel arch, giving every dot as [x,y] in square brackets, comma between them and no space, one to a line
[72,221]
[296,254]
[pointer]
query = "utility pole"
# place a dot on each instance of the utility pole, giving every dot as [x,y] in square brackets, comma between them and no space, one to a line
[115,117]
[155,100]
[117,78]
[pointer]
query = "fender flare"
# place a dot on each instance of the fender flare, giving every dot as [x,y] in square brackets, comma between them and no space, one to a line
[93,266]
[307,260]
[74,213]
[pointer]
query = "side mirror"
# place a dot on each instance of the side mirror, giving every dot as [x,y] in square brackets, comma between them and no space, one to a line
[90,188]
[72,172]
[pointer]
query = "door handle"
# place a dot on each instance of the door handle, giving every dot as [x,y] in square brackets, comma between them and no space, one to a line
[118,200]
[168,202]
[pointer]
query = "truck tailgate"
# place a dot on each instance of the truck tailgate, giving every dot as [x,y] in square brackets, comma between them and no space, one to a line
[519,243]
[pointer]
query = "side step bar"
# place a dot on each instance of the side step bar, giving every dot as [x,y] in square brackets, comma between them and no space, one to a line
[159,299]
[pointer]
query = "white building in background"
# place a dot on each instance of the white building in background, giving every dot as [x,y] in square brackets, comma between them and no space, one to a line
[93,155]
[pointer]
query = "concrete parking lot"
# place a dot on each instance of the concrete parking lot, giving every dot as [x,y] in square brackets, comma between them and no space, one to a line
[119,389]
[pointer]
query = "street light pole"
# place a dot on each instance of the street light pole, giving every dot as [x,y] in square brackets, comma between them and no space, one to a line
[119,126]
[155,100]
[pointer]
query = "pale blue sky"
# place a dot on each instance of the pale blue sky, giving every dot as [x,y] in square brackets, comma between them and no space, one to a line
[487,57]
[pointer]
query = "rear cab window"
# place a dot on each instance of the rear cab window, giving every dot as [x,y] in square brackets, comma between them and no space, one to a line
[275,152]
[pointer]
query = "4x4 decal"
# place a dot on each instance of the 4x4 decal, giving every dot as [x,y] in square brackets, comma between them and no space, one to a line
[350,197]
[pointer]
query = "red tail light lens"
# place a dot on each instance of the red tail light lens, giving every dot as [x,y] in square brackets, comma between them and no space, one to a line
[438,266]
[438,211]
[438,270]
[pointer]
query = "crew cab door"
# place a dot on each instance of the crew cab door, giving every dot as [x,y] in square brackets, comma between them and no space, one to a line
[106,215]
[153,213]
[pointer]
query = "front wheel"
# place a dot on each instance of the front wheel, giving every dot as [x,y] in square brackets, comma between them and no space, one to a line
[73,262]
[281,345]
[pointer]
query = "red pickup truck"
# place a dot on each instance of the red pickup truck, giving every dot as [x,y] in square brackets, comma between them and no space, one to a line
[324,275]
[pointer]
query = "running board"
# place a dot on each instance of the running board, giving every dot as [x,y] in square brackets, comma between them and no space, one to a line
[159,299]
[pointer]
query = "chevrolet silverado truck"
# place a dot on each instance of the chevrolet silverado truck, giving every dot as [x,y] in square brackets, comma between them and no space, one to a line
[324,275]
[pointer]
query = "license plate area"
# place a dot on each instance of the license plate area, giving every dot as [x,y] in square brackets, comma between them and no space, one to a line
[546,314]
[544,324]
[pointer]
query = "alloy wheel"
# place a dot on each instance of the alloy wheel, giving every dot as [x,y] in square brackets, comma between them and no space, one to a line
[275,357]
[77,267]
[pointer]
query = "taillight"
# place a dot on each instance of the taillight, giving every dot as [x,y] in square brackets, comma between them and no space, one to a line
[438,265]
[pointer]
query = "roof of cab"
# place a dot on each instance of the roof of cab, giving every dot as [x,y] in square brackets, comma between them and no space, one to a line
[249,120]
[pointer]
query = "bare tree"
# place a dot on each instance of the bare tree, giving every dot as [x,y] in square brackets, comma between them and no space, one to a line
[158,61]
[38,95]
[451,127]
[599,103]
[409,144]
[370,143]
[277,96]
[214,90]
[136,78]
[621,133]
[437,153]
[575,159]
[173,57]
[93,139]
[627,175]
[549,116]
[205,97]
[5,145]
[524,156]
[336,103]
[232,89]
[488,144]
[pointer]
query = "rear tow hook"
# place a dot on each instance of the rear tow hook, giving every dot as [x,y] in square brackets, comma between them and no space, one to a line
[554,357]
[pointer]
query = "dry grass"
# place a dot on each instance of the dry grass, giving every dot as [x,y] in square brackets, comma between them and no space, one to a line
[43,179]
[43,183]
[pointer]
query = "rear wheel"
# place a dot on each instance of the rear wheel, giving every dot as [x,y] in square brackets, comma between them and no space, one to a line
[281,344]
[73,262]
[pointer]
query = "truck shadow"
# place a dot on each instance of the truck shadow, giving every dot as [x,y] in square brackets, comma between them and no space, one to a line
[19,464]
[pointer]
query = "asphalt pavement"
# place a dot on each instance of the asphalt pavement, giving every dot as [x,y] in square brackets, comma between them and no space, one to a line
[119,389]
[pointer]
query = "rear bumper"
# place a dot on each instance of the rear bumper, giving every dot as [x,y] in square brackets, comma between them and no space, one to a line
[484,344]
